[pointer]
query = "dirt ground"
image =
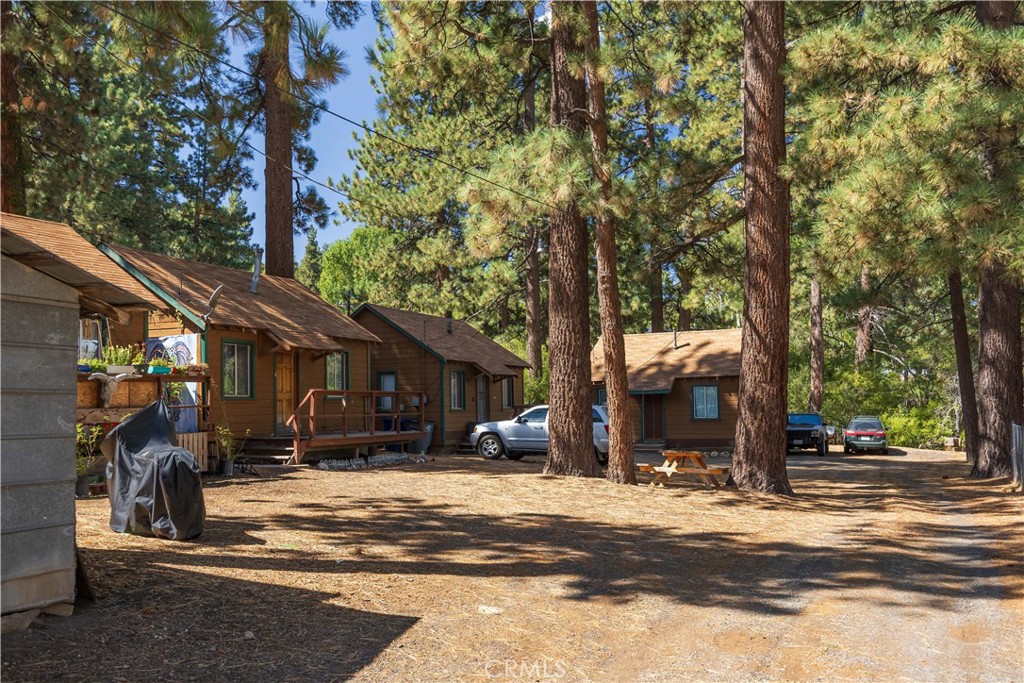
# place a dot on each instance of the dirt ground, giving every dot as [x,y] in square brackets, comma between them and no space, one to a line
[884,568]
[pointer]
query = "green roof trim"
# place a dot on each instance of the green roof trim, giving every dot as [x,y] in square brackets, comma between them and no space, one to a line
[152,286]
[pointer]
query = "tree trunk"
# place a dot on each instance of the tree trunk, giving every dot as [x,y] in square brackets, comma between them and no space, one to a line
[685,321]
[817,396]
[531,246]
[999,370]
[964,366]
[571,445]
[865,342]
[657,294]
[759,462]
[621,468]
[1000,363]
[279,211]
[12,162]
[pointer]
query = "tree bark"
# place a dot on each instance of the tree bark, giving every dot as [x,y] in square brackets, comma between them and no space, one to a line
[12,162]
[964,366]
[531,246]
[621,468]
[865,340]
[279,210]
[1000,361]
[571,445]
[817,396]
[759,462]
[685,321]
[999,370]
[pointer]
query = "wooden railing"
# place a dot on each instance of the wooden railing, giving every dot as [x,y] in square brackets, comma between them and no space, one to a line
[320,407]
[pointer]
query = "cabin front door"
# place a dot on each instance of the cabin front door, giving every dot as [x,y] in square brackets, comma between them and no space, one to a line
[483,399]
[654,417]
[284,391]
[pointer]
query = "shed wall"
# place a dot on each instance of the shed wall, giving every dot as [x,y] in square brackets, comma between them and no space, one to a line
[37,432]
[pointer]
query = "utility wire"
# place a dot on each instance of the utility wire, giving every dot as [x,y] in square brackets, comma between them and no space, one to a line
[238,139]
[418,150]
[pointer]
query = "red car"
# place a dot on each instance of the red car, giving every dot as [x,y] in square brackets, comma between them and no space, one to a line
[865,433]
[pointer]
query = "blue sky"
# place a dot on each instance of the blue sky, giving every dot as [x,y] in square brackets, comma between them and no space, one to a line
[331,138]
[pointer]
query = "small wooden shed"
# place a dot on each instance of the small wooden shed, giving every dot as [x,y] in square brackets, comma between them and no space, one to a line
[44,292]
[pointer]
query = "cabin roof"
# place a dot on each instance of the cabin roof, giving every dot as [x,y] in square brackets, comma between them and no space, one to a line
[58,251]
[464,344]
[655,360]
[282,308]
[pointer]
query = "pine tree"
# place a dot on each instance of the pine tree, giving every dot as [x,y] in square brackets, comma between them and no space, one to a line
[309,270]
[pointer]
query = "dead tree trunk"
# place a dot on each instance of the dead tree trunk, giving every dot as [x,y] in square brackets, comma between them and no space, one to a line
[817,396]
[571,446]
[685,319]
[759,462]
[964,365]
[279,210]
[621,469]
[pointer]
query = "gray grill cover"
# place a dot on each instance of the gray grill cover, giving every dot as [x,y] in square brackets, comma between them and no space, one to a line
[154,485]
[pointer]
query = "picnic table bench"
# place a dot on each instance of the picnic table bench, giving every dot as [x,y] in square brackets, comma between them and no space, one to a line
[684,462]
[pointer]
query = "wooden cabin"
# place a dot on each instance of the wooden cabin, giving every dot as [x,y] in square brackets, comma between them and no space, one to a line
[52,278]
[684,385]
[283,362]
[466,376]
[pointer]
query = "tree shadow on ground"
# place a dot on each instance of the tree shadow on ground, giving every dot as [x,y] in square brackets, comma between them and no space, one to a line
[181,625]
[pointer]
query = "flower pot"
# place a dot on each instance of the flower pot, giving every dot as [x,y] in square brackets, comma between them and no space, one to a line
[141,368]
[227,467]
[120,369]
[82,486]
[82,367]
[159,369]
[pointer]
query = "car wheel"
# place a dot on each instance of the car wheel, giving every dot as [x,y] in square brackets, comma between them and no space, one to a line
[602,458]
[885,451]
[822,449]
[490,447]
[515,456]
[846,449]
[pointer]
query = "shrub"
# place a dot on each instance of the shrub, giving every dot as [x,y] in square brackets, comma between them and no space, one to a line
[916,428]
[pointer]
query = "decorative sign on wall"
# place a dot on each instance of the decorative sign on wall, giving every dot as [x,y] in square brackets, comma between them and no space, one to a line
[180,349]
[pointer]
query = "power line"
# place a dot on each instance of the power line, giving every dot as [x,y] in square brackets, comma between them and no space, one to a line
[418,150]
[238,139]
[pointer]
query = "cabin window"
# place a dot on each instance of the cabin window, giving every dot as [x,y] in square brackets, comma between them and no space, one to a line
[90,338]
[236,369]
[336,367]
[508,392]
[602,396]
[458,382]
[386,381]
[705,402]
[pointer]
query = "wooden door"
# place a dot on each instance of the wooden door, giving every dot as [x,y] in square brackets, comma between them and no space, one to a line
[483,398]
[654,417]
[284,391]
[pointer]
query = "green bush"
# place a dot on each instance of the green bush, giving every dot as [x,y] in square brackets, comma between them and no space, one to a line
[916,428]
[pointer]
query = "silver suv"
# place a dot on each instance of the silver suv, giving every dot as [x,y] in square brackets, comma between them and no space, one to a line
[528,433]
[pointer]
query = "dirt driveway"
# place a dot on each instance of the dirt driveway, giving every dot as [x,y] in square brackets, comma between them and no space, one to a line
[885,568]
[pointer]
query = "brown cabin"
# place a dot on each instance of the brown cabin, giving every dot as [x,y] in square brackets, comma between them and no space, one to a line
[466,376]
[275,354]
[684,385]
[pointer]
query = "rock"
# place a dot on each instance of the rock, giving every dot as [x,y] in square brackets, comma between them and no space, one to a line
[249,635]
[60,609]
[487,609]
[19,621]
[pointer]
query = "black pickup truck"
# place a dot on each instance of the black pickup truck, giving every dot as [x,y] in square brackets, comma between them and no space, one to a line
[807,430]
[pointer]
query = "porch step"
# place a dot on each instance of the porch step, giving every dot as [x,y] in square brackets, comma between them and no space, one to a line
[463,447]
[261,460]
[268,449]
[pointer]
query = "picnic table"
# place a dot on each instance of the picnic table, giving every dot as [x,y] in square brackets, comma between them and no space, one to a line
[684,462]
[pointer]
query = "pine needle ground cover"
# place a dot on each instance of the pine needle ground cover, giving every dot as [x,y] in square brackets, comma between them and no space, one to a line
[883,568]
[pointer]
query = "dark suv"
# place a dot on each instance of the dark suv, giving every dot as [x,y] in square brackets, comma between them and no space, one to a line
[807,430]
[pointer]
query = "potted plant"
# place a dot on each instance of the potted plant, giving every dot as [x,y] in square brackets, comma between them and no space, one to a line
[229,449]
[83,365]
[96,365]
[198,369]
[119,359]
[159,366]
[86,441]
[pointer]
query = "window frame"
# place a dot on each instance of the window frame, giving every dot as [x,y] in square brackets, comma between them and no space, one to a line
[389,408]
[461,376]
[508,386]
[704,402]
[250,349]
[345,375]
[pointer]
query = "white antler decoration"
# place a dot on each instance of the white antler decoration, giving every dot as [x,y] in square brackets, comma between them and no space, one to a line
[109,387]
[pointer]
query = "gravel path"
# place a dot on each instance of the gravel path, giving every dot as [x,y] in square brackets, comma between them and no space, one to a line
[883,568]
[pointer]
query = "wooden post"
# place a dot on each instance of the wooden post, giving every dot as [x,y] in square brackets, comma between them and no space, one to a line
[373,413]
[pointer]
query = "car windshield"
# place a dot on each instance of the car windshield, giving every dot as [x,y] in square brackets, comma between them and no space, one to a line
[535,415]
[865,425]
[804,419]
